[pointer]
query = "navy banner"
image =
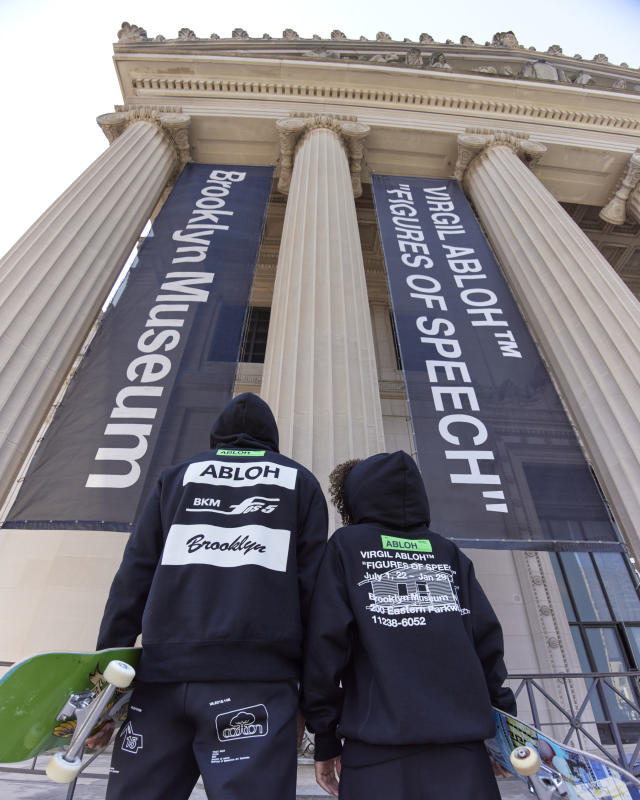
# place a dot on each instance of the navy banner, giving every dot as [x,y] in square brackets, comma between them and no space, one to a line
[163,362]
[499,457]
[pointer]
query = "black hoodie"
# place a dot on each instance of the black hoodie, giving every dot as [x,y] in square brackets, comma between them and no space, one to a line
[403,647]
[218,573]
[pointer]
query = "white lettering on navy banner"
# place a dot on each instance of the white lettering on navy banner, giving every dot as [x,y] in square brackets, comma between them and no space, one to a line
[227,547]
[223,473]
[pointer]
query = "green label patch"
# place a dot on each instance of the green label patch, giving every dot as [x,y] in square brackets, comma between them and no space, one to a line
[242,453]
[417,545]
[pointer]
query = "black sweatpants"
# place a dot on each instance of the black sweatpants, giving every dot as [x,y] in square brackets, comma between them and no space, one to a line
[460,771]
[240,736]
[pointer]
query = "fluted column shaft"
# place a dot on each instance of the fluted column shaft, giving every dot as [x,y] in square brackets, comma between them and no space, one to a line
[320,374]
[55,278]
[584,317]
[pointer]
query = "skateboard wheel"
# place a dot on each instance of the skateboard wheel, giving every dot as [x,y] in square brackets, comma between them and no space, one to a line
[119,674]
[525,760]
[60,770]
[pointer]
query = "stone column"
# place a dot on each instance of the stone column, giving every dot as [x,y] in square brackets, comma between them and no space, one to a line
[320,374]
[615,211]
[585,319]
[56,277]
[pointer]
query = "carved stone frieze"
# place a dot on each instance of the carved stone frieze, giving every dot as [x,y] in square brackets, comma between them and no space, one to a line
[293,130]
[473,143]
[171,121]
[615,211]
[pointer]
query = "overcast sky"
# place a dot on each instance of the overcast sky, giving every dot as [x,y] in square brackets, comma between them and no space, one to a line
[58,75]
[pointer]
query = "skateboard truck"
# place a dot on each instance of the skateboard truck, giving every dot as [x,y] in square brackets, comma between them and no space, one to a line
[64,767]
[547,786]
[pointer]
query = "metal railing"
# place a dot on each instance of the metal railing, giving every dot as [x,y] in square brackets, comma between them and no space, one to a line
[594,713]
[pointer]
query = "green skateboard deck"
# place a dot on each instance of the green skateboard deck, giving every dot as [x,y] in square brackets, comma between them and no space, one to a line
[34,693]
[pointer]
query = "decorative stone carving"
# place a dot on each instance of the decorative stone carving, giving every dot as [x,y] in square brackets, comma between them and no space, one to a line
[487,70]
[600,58]
[363,39]
[553,642]
[555,50]
[173,124]
[131,33]
[506,70]
[578,57]
[414,57]
[624,65]
[289,33]
[381,36]
[336,34]
[467,41]
[214,36]
[472,143]
[615,212]
[292,131]
[316,37]
[505,39]
[239,33]
[619,84]
[266,36]
[584,79]
[439,61]
[160,38]
[425,38]
[543,71]
[186,33]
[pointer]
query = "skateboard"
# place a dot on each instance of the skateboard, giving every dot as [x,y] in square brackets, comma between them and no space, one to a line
[555,771]
[55,700]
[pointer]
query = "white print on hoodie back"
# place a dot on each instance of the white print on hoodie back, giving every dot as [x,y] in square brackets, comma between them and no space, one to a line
[402,589]
[251,473]
[227,547]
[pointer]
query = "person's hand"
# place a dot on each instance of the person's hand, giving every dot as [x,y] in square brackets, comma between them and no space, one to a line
[328,774]
[498,770]
[299,730]
[102,737]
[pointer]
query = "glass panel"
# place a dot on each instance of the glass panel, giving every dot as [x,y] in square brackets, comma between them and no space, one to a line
[596,705]
[566,600]
[609,657]
[585,587]
[619,586]
[634,640]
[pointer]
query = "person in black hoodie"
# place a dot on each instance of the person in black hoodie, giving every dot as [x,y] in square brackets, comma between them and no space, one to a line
[217,577]
[403,654]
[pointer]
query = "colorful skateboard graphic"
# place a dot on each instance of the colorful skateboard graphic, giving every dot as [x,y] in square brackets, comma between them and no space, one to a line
[48,701]
[558,771]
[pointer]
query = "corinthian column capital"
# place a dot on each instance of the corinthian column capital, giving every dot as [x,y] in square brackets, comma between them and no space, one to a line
[615,211]
[351,135]
[173,124]
[473,143]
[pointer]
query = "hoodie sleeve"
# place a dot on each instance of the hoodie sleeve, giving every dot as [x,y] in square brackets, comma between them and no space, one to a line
[327,653]
[311,543]
[122,619]
[487,637]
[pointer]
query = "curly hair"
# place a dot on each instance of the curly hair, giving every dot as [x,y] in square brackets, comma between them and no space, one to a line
[337,478]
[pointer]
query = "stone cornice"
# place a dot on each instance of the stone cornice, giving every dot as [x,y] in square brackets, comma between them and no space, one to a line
[159,78]
[173,124]
[293,130]
[615,211]
[503,56]
[473,143]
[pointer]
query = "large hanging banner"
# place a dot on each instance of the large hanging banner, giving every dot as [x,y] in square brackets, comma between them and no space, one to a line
[500,460]
[163,362]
